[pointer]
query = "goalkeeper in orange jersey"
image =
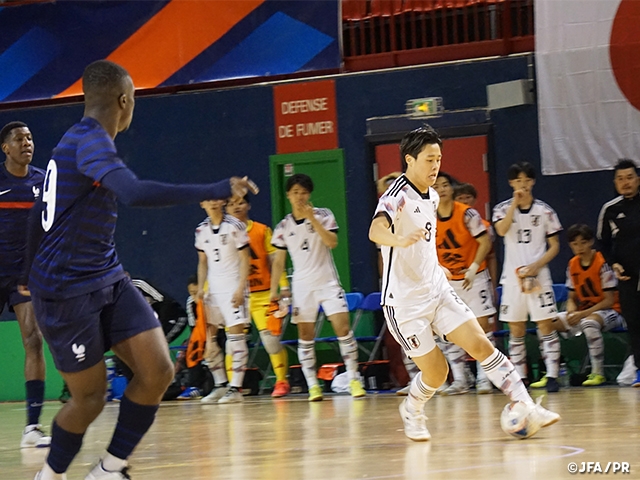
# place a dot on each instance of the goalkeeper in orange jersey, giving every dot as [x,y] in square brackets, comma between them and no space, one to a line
[259,284]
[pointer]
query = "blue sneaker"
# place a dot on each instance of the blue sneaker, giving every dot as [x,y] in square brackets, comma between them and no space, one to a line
[191,393]
[636,384]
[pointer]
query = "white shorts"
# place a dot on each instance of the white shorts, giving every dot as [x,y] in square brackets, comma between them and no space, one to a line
[480,297]
[413,326]
[516,306]
[609,317]
[223,313]
[306,302]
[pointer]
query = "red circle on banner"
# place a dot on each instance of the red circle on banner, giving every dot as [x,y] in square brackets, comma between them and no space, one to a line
[624,49]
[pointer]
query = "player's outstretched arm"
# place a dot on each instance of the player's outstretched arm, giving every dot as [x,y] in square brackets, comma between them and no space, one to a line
[134,192]
[379,233]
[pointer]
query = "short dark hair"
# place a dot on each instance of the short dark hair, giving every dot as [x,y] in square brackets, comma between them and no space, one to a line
[452,181]
[6,130]
[580,230]
[521,167]
[414,142]
[465,189]
[103,77]
[300,179]
[625,163]
[193,280]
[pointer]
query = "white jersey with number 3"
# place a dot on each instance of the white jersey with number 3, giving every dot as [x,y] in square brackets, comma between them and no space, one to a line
[411,275]
[312,260]
[221,244]
[526,240]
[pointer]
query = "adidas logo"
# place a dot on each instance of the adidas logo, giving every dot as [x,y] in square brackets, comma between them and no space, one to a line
[79,351]
[417,210]
[621,215]
[291,234]
[391,295]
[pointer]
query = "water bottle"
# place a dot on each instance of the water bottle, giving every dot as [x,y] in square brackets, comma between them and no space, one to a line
[563,375]
[111,374]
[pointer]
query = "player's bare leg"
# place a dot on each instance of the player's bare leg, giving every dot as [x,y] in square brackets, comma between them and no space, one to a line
[34,374]
[341,324]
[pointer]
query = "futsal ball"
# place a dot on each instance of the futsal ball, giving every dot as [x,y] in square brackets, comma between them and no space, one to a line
[516,420]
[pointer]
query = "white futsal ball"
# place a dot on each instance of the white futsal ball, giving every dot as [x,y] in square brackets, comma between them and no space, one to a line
[517,420]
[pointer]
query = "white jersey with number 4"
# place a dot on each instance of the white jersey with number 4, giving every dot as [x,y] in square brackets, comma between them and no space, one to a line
[221,243]
[526,240]
[411,275]
[312,260]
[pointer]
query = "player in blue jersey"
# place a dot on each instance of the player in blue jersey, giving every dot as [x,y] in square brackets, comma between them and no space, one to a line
[20,185]
[84,302]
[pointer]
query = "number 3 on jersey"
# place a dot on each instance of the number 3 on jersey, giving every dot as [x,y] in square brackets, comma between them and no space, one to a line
[49,195]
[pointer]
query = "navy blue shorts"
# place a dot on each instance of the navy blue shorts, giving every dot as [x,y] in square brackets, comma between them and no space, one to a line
[9,293]
[81,329]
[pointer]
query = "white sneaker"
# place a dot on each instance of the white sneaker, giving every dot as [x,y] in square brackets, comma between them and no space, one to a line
[233,395]
[456,388]
[62,476]
[216,394]
[99,473]
[484,386]
[544,416]
[403,392]
[33,436]
[415,426]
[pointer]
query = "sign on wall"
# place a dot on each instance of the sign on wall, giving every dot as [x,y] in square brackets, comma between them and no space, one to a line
[305,117]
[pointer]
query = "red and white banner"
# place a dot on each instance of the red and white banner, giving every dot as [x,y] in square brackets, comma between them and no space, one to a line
[588,79]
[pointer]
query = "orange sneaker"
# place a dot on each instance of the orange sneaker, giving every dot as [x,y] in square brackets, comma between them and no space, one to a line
[281,389]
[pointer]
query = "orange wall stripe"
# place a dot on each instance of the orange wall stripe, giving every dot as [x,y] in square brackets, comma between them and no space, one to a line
[16,204]
[173,37]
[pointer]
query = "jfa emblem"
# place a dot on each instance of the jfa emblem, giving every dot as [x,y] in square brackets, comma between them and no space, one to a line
[296,311]
[223,238]
[310,228]
[413,341]
[504,309]
[535,220]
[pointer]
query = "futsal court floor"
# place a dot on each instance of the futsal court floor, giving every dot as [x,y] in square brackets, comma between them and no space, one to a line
[343,438]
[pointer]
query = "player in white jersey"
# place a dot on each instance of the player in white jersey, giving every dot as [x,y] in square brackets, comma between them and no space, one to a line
[528,225]
[223,260]
[309,234]
[416,297]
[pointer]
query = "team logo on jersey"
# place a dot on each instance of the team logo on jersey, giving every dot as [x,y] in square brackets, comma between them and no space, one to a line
[223,238]
[310,228]
[535,220]
[413,341]
[296,311]
[621,215]
[36,192]
[79,352]
[504,309]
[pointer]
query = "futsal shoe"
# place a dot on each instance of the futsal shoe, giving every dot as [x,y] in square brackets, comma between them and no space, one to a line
[315,394]
[233,395]
[415,425]
[33,436]
[99,473]
[355,388]
[281,389]
[552,385]
[456,388]
[216,394]
[403,392]
[62,476]
[542,383]
[542,415]
[593,380]
[191,393]
[636,384]
[484,386]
